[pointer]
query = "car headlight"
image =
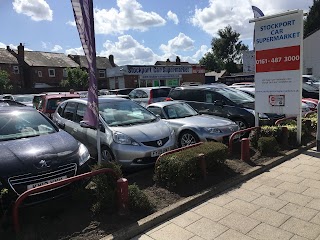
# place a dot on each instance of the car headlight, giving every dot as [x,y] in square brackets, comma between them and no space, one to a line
[261,115]
[83,154]
[213,130]
[121,138]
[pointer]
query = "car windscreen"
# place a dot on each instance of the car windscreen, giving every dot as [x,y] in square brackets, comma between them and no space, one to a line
[27,98]
[179,110]
[160,92]
[54,102]
[234,95]
[310,88]
[23,124]
[124,113]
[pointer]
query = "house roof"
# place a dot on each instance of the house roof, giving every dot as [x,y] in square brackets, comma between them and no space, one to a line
[216,74]
[102,62]
[6,57]
[47,59]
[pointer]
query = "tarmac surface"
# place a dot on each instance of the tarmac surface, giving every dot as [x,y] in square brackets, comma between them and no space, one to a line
[283,203]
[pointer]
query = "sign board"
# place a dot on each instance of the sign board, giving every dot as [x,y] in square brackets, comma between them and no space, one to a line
[158,69]
[278,59]
[248,59]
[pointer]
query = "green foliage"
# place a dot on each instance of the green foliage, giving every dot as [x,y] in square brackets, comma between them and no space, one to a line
[228,47]
[211,63]
[4,81]
[180,168]
[312,21]
[268,145]
[77,78]
[105,189]
[138,200]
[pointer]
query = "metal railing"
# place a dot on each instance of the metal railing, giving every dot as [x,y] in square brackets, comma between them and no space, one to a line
[233,135]
[24,195]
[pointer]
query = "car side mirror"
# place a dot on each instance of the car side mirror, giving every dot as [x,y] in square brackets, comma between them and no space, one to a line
[158,116]
[84,124]
[218,103]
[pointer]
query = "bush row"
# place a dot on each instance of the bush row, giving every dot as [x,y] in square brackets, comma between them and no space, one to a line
[183,167]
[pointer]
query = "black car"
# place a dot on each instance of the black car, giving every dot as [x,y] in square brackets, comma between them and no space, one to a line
[34,152]
[310,90]
[120,91]
[219,100]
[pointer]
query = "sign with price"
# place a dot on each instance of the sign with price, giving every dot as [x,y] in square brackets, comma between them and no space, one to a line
[278,60]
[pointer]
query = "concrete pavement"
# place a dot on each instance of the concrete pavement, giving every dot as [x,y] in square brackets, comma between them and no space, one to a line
[283,203]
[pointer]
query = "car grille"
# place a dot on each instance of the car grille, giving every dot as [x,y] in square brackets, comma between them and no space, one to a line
[19,183]
[156,142]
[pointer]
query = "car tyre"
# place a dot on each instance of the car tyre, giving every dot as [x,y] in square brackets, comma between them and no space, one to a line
[187,138]
[242,125]
[106,154]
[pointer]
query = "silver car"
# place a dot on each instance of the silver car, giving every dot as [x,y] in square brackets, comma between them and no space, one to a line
[191,127]
[130,134]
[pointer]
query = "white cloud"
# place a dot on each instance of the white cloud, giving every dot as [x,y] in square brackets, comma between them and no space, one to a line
[128,50]
[129,16]
[75,51]
[218,14]
[173,17]
[2,45]
[56,48]
[14,47]
[38,10]
[44,45]
[181,42]
[71,23]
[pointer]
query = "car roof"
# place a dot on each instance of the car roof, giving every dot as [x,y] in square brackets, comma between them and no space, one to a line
[149,88]
[164,103]
[101,99]
[17,108]
[205,86]
[11,103]
[62,95]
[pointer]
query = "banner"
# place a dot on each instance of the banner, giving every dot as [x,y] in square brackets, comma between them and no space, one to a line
[83,15]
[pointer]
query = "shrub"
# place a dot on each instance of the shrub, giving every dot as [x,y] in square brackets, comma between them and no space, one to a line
[138,200]
[265,131]
[180,168]
[105,189]
[268,145]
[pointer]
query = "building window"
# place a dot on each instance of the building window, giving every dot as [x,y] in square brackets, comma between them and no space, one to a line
[52,72]
[102,73]
[309,71]
[39,73]
[65,73]
[16,69]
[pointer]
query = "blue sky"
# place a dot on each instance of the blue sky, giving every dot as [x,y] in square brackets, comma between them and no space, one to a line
[134,31]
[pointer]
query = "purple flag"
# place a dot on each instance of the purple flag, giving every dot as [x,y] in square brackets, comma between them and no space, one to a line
[83,15]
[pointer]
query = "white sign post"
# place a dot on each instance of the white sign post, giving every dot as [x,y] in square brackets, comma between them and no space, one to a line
[278,54]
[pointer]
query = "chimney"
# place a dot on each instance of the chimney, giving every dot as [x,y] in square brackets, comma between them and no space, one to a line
[8,48]
[21,52]
[178,62]
[111,60]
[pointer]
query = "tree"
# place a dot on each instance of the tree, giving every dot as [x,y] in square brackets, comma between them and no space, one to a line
[312,21]
[210,62]
[4,81]
[77,78]
[228,48]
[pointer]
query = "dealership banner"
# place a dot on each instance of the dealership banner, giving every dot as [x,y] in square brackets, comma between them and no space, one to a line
[278,63]
[83,15]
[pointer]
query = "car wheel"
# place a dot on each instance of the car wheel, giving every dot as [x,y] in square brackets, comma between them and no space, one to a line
[241,123]
[187,138]
[106,155]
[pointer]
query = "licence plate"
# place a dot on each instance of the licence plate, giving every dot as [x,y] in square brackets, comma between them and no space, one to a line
[159,152]
[45,182]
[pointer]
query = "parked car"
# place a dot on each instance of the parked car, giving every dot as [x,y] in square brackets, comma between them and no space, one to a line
[130,134]
[26,99]
[8,103]
[148,95]
[310,79]
[50,102]
[121,91]
[35,152]
[191,127]
[311,102]
[223,101]
[310,91]
[251,91]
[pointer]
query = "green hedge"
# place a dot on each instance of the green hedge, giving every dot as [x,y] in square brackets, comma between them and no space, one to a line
[180,168]
[268,145]
[138,200]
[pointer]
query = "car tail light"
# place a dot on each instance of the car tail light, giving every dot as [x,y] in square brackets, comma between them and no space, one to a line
[151,96]
[168,99]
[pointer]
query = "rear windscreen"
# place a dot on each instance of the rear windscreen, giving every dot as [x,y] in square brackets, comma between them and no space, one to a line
[161,92]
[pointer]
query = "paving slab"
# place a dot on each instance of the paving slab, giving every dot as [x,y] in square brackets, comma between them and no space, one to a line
[212,212]
[301,228]
[232,234]
[267,232]
[270,202]
[270,217]
[242,207]
[186,219]
[239,222]
[297,211]
[296,198]
[171,231]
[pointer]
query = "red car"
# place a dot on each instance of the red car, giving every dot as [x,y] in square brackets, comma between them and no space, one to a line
[311,102]
[50,102]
